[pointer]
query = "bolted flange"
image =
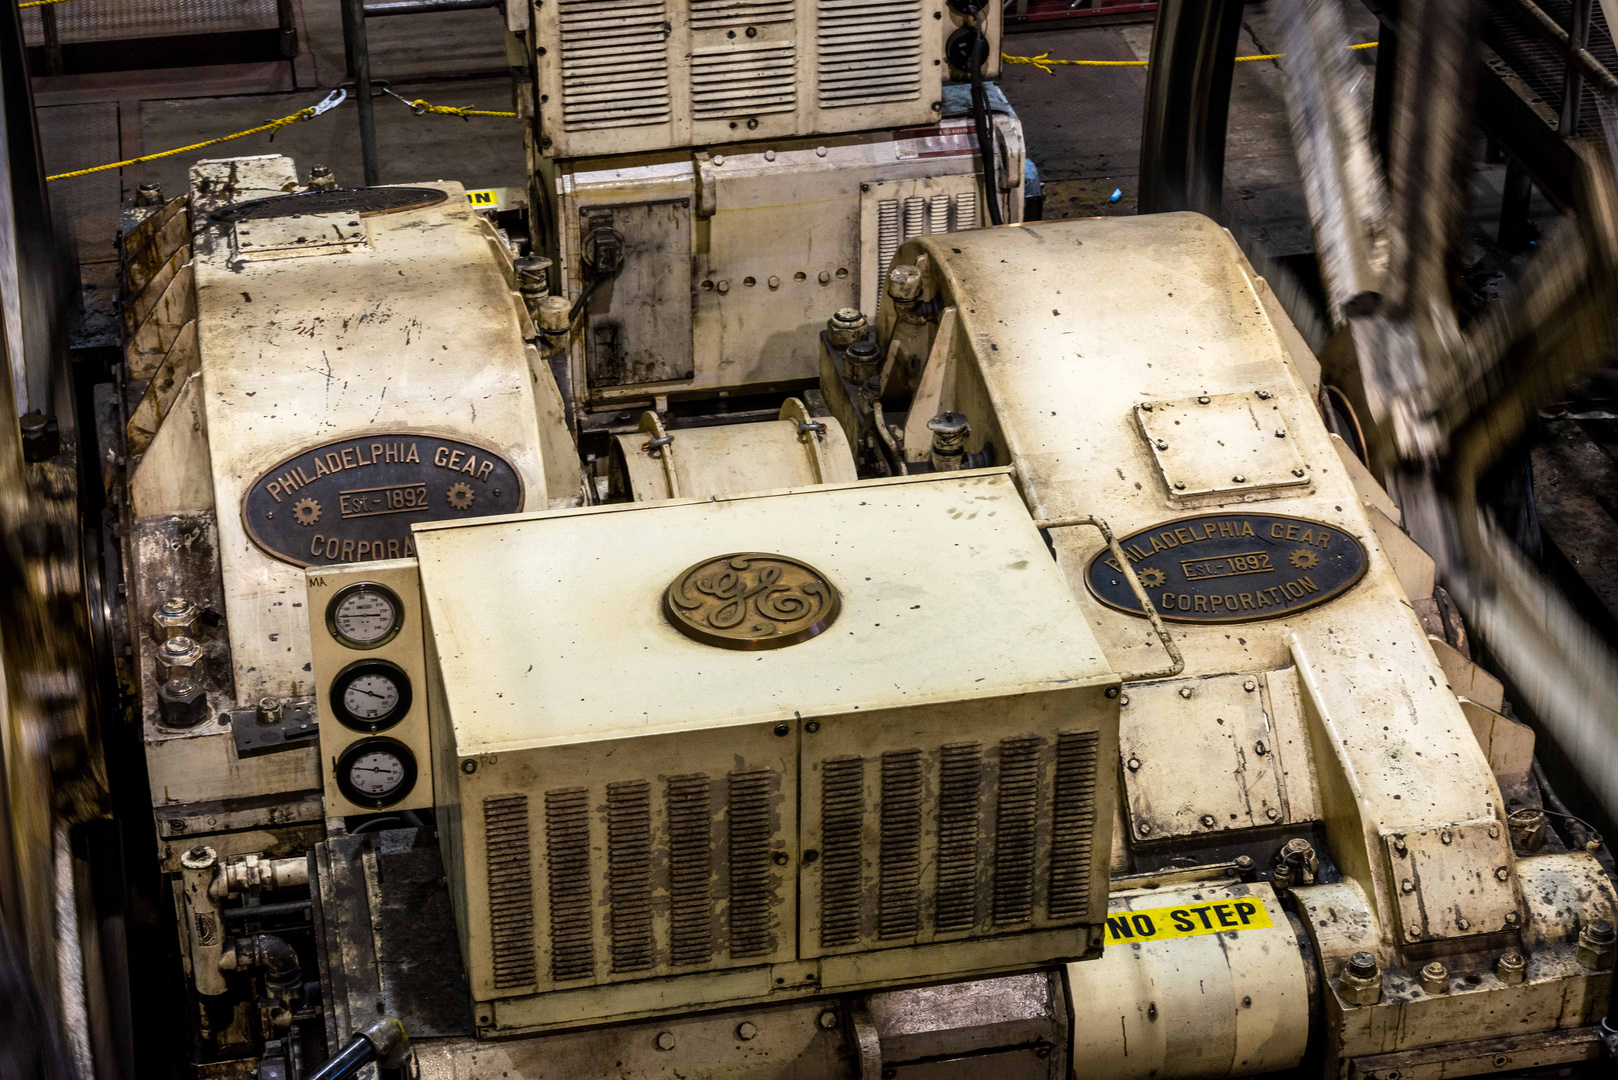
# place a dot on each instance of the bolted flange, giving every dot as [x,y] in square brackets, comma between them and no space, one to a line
[1361,980]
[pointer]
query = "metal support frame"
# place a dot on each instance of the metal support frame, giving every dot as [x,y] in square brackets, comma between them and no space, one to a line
[358,54]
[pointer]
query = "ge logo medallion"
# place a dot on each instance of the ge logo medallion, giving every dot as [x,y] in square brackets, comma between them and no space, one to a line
[751,600]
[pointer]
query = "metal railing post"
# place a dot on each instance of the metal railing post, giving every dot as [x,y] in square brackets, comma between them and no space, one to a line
[359,73]
[1573,79]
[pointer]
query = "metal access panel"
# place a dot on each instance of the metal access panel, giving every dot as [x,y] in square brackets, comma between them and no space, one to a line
[627,76]
[646,815]
[1224,445]
[638,322]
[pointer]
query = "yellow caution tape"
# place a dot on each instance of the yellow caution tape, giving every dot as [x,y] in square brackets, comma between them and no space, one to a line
[1044,62]
[40,3]
[1187,920]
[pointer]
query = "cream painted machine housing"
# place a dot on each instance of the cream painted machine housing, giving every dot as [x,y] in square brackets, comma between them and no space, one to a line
[406,325]
[910,796]
[1338,714]
[734,254]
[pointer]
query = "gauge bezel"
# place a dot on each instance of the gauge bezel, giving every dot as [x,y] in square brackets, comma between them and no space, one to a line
[407,758]
[342,594]
[356,670]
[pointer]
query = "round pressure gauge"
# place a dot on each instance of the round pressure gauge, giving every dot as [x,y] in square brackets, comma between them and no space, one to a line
[364,615]
[370,695]
[376,772]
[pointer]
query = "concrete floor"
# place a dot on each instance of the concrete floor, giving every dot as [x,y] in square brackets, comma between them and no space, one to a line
[1082,125]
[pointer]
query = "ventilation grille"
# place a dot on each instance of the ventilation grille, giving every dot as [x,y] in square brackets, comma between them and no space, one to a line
[960,789]
[898,220]
[715,14]
[690,871]
[842,824]
[751,895]
[1016,821]
[511,889]
[869,51]
[629,874]
[567,846]
[1073,822]
[614,63]
[728,83]
[899,874]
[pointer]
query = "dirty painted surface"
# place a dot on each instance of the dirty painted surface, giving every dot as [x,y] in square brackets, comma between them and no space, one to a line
[417,331]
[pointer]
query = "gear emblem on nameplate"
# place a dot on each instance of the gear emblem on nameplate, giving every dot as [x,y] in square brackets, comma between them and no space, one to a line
[1152,577]
[460,496]
[751,600]
[1304,560]
[306,511]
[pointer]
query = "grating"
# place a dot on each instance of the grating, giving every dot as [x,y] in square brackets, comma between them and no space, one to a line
[842,825]
[1016,820]
[868,51]
[898,913]
[716,14]
[960,786]
[690,870]
[629,874]
[751,893]
[567,843]
[1511,33]
[1073,822]
[511,889]
[728,82]
[120,20]
[615,70]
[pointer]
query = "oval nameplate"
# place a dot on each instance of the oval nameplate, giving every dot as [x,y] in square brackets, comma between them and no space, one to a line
[1222,568]
[354,500]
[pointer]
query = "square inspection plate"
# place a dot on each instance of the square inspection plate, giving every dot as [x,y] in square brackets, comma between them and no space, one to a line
[1221,444]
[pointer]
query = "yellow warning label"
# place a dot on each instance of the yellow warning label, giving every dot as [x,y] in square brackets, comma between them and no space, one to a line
[1187,920]
[487,197]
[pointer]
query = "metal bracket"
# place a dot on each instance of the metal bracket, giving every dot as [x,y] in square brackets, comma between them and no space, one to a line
[297,727]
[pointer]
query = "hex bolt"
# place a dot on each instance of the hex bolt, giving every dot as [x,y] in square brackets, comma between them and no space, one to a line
[1407,886]
[1598,942]
[1446,837]
[1162,444]
[828,1020]
[1494,831]
[1238,479]
[177,656]
[1185,691]
[176,617]
[1249,685]
[269,711]
[1435,978]
[1502,873]
[1511,968]
[1463,924]
[1203,400]
[746,1031]
[904,284]
[723,287]
[1399,847]
[1207,821]
[825,277]
[1263,395]
[1244,863]
[1280,433]
[1143,828]
[1260,749]
[1133,764]
[1272,813]
[1361,980]
[1512,918]
[665,1040]
[845,327]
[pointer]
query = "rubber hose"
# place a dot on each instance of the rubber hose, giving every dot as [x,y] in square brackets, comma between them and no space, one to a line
[980,118]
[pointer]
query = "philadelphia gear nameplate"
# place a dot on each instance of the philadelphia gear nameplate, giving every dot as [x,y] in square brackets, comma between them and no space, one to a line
[354,500]
[1234,567]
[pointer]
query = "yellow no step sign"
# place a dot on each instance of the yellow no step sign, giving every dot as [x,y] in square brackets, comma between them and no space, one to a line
[499,198]
[1187,920]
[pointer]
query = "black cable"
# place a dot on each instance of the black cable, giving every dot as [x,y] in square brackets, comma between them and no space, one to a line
[584,298]
[980,117]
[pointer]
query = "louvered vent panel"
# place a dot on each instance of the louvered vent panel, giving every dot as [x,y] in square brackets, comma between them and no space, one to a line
[629,874]
[511,889]
[615,70]
[869,51]
[1016,820]
[1073,822]
[716,14]
[750,833]
[567,847]
[842,823]
[690,870]
[960,791]
[728,83]
[899,874]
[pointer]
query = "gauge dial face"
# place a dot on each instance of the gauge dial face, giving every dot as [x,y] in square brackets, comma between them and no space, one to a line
[364,615]
[370,695]
[376,772]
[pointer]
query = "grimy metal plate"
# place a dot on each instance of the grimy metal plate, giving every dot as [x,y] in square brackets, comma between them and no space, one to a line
[361,201]
[354,500]
[1232,567]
